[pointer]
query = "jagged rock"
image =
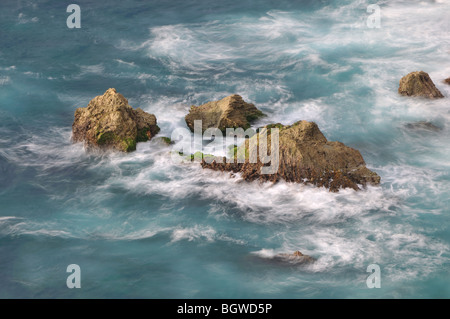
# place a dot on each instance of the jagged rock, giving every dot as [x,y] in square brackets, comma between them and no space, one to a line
[109,122]
[418,84]
[305,156]
[447,81]
[230,112]
[296,258]
[423,125]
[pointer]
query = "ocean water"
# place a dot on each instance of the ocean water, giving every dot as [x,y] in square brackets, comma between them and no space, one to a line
[141,226]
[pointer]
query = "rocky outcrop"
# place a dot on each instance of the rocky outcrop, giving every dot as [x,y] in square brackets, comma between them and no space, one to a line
[305,156]
[296,258]
[447,81]
[230,112]
[109,122]
[418,84]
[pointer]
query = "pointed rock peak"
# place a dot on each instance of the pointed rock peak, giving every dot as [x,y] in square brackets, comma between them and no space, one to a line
[306,131]
[234,97]
[110,99]
[110,91]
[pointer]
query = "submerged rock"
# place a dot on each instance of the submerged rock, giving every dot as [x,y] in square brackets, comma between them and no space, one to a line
[295,258]
[418,84]
[305,156]
[109,122]
[230,112]
[423,125]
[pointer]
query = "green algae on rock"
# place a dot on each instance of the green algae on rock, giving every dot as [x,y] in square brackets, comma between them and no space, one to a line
[418,83]
[230,112]
[109,122]
[165,140]
[305,156]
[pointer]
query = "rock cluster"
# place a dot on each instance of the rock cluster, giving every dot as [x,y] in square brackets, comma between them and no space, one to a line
[305,155]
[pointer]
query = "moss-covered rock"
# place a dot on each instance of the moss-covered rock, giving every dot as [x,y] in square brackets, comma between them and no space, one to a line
[230,112]
[109,122]
[305,156]
[418,83]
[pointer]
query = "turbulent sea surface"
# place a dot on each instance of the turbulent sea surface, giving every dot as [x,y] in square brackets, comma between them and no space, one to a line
[141,226]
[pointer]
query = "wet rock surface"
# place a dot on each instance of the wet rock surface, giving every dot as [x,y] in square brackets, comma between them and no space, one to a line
[305,156]
[418,83]
[109,122]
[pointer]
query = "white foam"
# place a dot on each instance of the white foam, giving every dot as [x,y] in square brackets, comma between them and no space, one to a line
[130,64]
[12,226]
[194,233]
[5,80]
[23,19]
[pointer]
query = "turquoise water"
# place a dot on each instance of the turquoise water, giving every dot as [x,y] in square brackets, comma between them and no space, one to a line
[141,226]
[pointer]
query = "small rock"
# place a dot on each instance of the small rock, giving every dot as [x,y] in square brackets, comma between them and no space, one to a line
[418,84]
[423,125]
[447,81]
[230,112]
[296,258]
[109,122]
